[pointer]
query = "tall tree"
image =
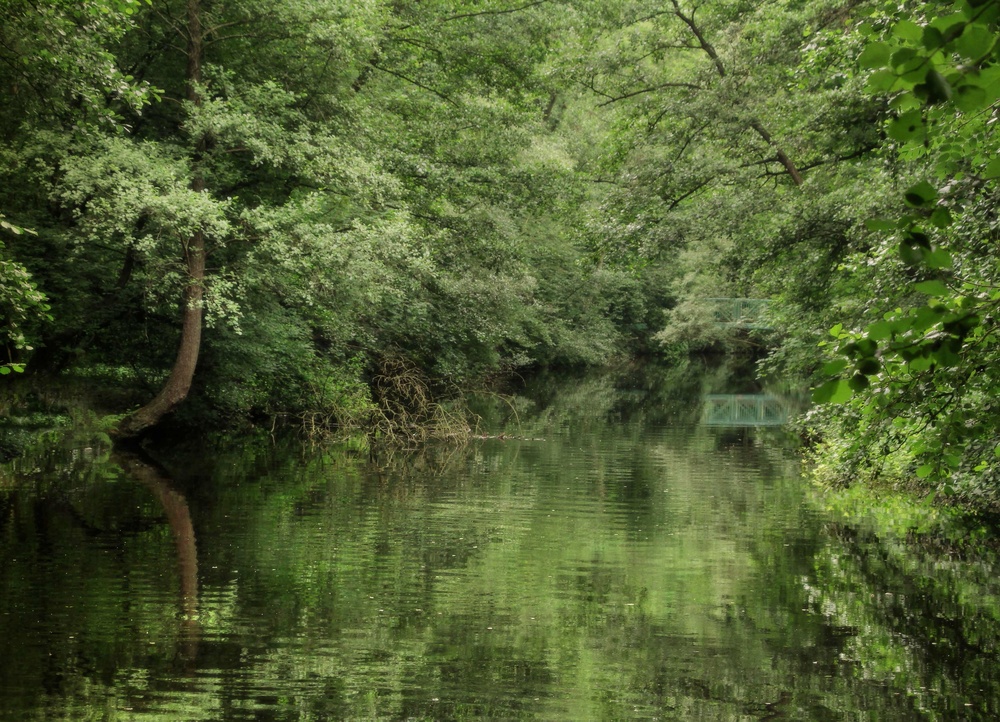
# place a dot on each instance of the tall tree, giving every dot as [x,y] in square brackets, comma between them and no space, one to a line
[178,383]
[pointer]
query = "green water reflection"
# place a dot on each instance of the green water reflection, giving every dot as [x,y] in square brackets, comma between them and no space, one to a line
[617,560]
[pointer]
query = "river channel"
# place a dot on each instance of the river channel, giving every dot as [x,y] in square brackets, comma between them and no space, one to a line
[639,545]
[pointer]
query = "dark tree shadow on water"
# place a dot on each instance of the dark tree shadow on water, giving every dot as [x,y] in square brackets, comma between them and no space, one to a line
[139,467]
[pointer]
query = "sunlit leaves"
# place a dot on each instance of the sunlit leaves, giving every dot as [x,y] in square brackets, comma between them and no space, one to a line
[907,30]
[875,55]
[992,169]
[836,391]
[969,98]
[975,42]
[932,288]
[935,89]
[921,195]
[22,308]
[908,127]
[934,352]
[938,259]
[929,64]
[16,230]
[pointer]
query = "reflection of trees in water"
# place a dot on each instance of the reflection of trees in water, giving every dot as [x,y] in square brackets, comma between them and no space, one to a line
[175,507]
[930,623]
[647,394]
[504,578]
[633,393]
[82,585]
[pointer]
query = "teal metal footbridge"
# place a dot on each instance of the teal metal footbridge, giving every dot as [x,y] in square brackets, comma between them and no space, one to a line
[745,410]
[749,313]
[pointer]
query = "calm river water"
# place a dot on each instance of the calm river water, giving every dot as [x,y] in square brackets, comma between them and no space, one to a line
[631,554]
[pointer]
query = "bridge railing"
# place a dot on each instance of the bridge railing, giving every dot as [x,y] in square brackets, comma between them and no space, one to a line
[740,312]
[744,410]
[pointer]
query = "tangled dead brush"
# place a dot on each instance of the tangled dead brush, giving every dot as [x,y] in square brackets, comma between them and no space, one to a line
[408,413]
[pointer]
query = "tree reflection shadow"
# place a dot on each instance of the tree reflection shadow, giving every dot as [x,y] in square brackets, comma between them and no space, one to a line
[141,468]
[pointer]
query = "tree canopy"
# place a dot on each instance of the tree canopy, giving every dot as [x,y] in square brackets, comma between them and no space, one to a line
[269,207]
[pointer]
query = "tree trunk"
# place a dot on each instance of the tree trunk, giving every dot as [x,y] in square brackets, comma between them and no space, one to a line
[176,388]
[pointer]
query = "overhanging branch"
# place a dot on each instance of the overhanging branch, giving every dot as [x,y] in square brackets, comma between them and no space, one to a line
[416,83]
[661,86]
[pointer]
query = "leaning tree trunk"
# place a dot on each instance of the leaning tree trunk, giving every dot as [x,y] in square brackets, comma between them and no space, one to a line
[178,383]
[176,388]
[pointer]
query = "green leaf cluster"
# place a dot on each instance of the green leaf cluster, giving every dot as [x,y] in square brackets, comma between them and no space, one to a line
[918,378]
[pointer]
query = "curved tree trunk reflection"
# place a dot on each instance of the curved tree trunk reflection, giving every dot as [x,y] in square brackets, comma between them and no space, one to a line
[174,503]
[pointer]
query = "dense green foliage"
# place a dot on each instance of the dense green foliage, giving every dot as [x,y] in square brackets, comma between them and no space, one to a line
[841,161]
[367,186]
[920,360]
[450,190]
